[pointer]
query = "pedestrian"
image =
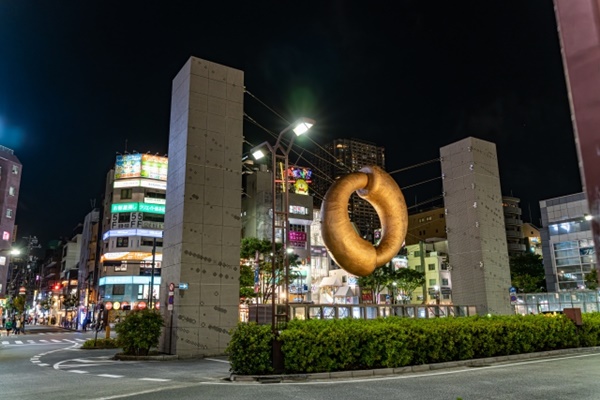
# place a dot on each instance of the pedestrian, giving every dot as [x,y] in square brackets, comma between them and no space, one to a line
[8,325]
[17,326]
[23,324]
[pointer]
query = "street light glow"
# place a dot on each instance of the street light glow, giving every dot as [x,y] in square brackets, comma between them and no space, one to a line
[303,125]
[258,154]
[15,252]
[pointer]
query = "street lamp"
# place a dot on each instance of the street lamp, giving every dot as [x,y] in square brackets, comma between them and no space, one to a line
[280,152]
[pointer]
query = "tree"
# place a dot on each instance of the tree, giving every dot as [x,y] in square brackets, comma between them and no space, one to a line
[248,251]
[591,279]
[381,278]
[527,273]
[407,280]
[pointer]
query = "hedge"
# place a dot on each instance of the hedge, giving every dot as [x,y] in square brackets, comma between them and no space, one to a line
[354,344]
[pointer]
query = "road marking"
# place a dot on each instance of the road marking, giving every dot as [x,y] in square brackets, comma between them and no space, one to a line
[5,342]
[76,371]
[110,376]
[56,341]
[35,361]
[44,365]
[43,341]
[155,379]
[217,360]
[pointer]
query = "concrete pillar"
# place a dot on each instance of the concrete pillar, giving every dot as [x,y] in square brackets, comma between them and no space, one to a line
[203,205]
[477,246]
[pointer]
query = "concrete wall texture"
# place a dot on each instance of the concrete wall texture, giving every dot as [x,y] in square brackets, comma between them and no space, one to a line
[203,206]
[477,246]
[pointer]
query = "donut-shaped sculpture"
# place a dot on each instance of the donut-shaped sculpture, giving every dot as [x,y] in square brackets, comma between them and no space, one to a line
[350,251]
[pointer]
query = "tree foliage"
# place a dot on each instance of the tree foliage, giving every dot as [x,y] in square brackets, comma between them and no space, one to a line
[248,252]
[139,332]
[527,273]
[591,279]
[407,280]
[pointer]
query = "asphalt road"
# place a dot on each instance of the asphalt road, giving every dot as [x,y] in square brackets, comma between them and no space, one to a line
[51,365]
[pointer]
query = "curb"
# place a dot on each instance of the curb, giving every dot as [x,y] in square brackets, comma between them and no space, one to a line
[478,362]
[158,357]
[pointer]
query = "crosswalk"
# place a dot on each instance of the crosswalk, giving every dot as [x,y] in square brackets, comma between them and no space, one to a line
[22,341]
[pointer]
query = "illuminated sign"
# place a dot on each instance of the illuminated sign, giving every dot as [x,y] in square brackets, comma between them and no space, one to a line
[133,207]
[128,166]
[152,200]
[298,210]
[147,183]
[154,167]
[6,236]
[128,280]
[141,166]
[295,236]
[132,232]
[400,262]
[130,255]
[295,173]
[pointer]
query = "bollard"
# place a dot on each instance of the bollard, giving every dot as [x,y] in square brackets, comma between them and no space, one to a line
[107,330]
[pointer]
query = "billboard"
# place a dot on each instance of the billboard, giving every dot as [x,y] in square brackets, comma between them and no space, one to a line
[141,166]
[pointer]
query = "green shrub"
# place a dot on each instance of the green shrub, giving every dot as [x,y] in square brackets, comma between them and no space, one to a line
[139,332]
[109,343]
[352,344]
[250,349]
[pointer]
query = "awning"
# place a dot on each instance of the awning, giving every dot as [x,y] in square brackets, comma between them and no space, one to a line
[330,281]
[344,291]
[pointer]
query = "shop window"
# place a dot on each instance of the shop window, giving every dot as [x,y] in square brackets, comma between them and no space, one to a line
[118,290]
[126,194]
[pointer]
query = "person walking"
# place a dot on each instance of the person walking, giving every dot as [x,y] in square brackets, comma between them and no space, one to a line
[17,326]
[8,325]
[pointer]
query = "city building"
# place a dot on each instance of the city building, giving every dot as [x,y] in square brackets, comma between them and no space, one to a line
[341,157]
[431,258]
[513,225]
[567,242]
[132,231]
[532,238]
[10,180]
[424,225]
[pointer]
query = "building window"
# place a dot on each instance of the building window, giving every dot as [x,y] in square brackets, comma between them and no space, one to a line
[122,242]
[126,194]
[11,191]
[431,267]
[15,170]
[444,282]
[9,213]
[155,195]
[118,290]
[419,268]
[432,282]
[124,217]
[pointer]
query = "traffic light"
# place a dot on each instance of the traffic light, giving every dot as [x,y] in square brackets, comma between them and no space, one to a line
[57,286]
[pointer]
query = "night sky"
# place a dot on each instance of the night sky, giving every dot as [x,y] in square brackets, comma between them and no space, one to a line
[82,80]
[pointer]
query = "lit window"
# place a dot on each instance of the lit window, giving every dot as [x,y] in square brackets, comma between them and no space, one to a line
[15,170]
[11,191]
[9,213]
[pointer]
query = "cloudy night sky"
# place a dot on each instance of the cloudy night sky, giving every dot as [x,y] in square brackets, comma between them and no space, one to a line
[81,81]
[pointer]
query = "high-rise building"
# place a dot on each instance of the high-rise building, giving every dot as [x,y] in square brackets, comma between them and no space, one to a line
[132,231]
[567,242]
[10,180]
[341,157]
[513,225]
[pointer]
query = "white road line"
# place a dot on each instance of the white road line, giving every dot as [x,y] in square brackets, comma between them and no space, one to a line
[76,371]
[5,342]
[217,360]
[18,342]
[44,365]
[43,341]
[35,361]
[155,379]
[56,341]
[110,376]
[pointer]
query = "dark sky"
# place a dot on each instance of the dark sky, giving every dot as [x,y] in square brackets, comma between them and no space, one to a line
[81,80]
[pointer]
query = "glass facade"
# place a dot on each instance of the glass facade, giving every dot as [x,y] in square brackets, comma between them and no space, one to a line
[574,259]
[538,303]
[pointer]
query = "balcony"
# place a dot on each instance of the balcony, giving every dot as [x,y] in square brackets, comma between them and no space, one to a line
[515,247]
[514,234]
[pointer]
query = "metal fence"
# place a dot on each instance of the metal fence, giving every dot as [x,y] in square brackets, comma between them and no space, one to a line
[537,303]
[372,311]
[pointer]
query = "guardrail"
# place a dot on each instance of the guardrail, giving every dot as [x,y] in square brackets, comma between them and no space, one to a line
[372,311]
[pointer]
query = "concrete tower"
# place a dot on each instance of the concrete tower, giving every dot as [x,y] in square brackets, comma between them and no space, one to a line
[475,224]
[203,204]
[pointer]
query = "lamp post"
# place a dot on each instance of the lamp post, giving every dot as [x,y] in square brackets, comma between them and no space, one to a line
[280,152]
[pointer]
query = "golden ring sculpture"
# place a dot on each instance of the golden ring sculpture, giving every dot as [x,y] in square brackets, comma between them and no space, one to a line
[351,252]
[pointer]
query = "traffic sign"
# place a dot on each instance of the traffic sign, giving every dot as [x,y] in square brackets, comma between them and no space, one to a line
[183,286]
